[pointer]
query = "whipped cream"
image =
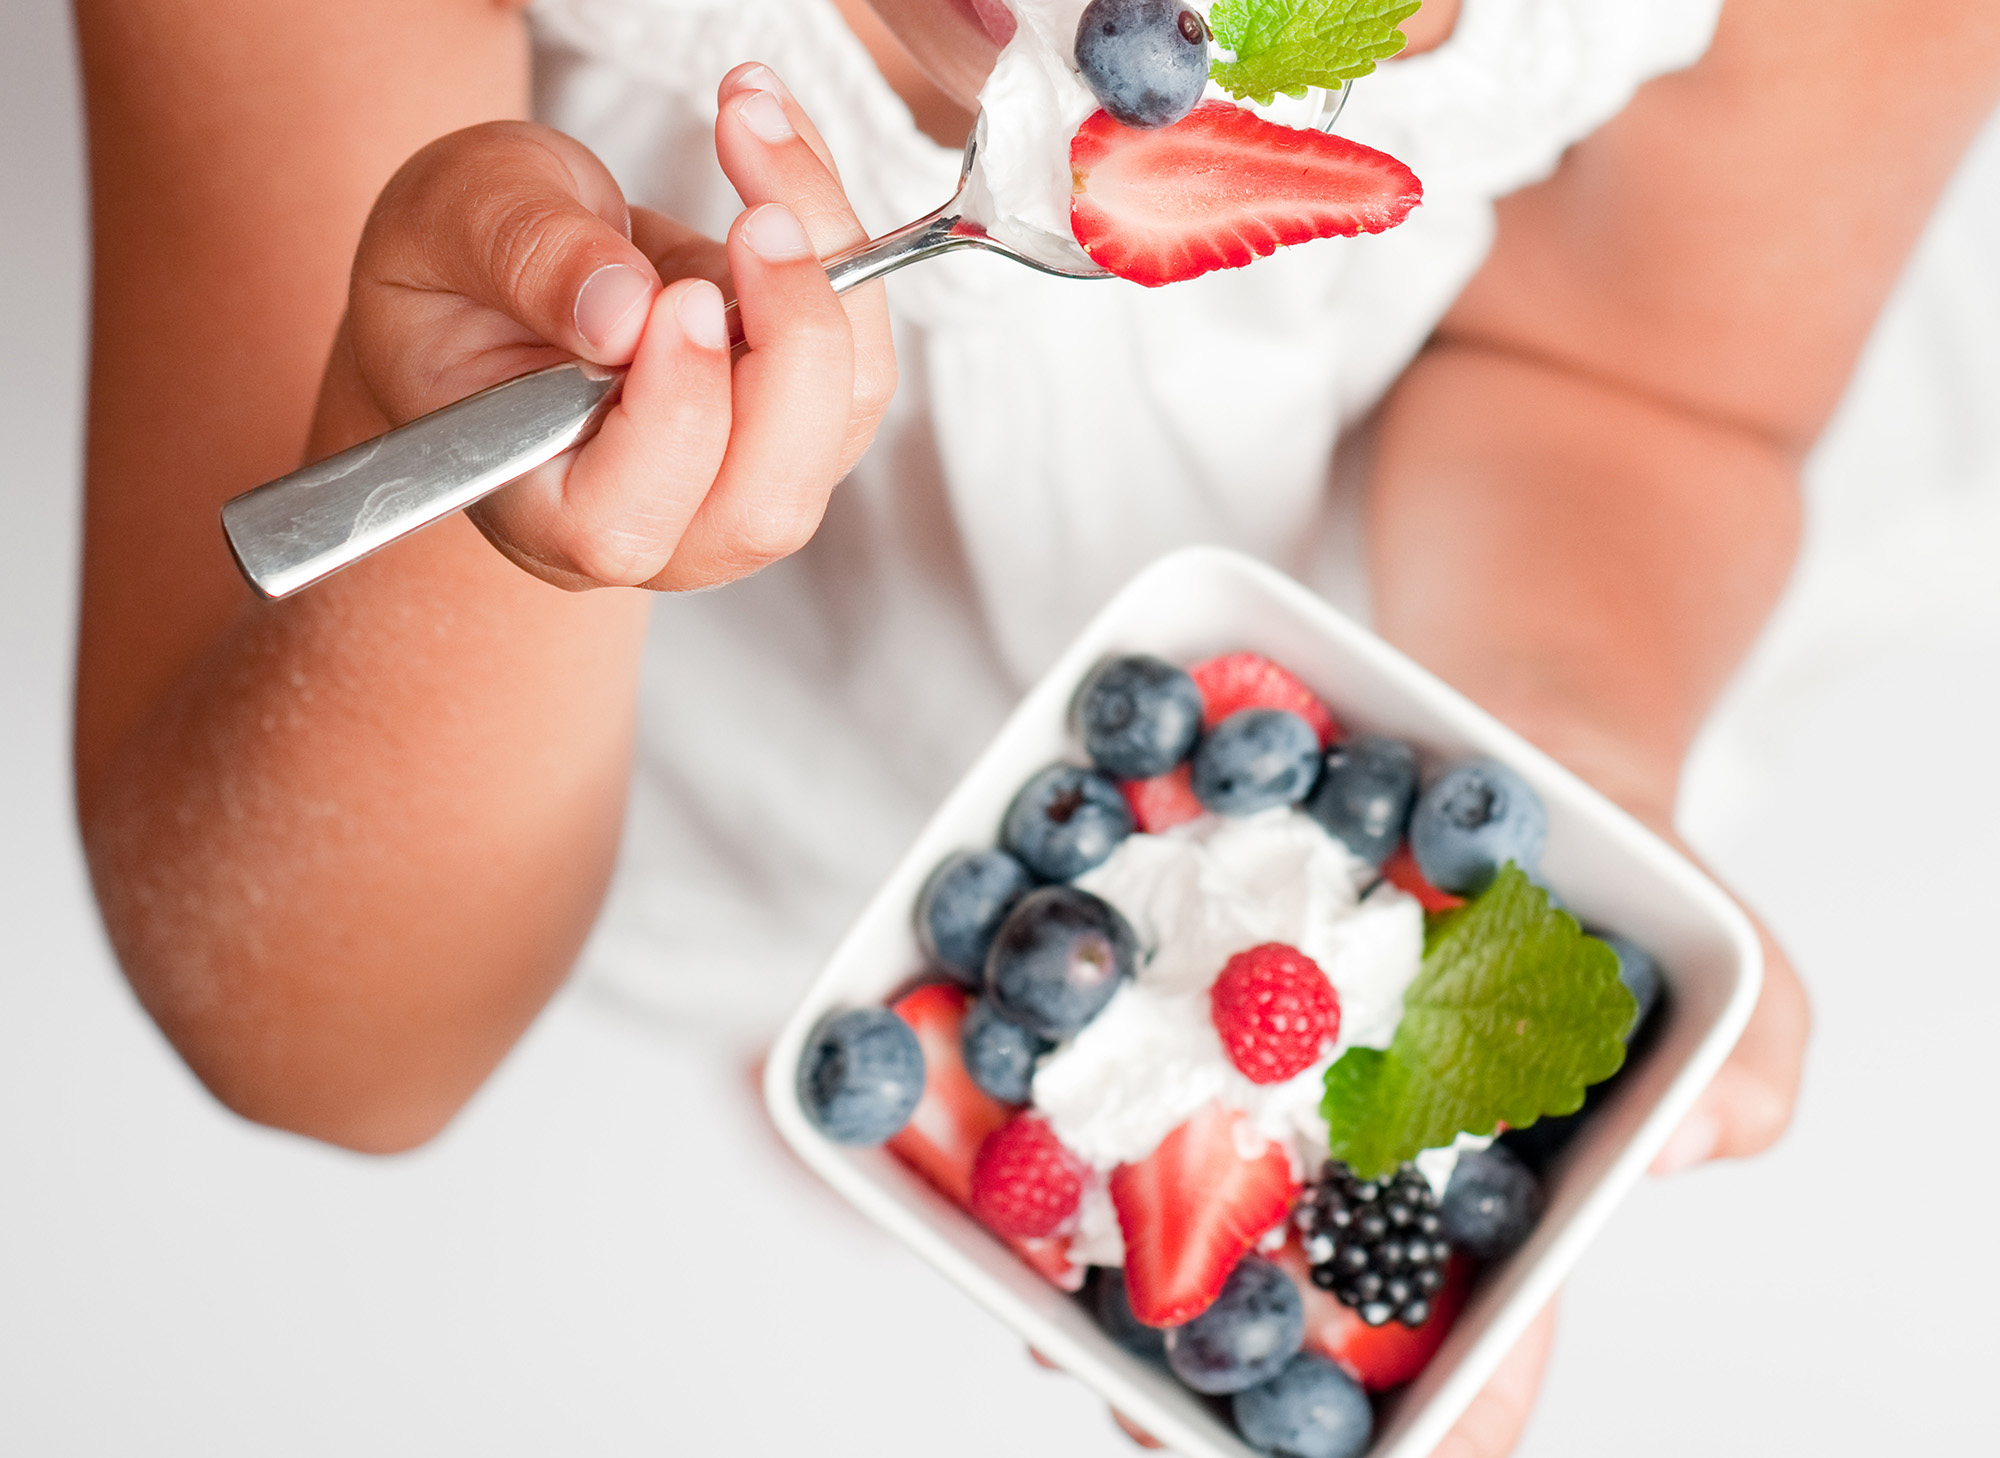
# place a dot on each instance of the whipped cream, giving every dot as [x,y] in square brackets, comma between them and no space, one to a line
[1031,106]
[1195,897]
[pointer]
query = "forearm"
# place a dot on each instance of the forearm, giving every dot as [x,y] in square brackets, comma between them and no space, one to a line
[344,846]
[349,852]
[1586,498]
[1586,562]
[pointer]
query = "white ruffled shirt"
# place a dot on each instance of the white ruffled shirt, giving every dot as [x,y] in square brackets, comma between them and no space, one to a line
[1049,439]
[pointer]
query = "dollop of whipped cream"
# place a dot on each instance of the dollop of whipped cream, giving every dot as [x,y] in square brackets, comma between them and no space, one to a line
[1195,897]
[1031,106]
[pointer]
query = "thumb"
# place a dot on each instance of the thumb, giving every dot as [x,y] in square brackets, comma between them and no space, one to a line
[527,223]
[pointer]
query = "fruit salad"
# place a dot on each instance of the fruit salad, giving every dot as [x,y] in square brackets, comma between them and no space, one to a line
[1247,1033]
[1169,138]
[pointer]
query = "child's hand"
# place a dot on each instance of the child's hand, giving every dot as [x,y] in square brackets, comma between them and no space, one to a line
[504,247]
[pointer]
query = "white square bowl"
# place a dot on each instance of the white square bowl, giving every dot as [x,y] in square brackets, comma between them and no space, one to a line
[1609,869]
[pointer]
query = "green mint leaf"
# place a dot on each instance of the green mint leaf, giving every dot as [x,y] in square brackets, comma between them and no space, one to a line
[1288,45]
[1514,1013]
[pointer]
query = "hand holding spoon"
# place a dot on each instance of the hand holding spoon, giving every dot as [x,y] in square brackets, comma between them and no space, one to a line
[289,533]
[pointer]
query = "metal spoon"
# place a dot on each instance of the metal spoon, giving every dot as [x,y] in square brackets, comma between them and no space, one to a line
[289,533]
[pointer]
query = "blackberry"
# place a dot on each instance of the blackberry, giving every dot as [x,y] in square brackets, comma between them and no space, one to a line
[1377,1245]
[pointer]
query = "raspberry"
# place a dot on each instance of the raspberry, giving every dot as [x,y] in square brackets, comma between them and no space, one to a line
[1024,1182]
[1275,1010]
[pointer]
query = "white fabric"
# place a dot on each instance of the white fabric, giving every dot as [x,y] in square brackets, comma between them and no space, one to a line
[1049,439]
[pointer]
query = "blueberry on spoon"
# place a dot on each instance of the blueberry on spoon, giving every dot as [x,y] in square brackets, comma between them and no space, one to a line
[1146,61]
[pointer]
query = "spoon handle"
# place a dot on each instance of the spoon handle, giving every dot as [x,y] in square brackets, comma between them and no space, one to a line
[289,533]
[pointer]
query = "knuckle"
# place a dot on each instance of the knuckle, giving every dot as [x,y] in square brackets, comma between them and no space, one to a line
[437,176]
[612,557]
[524,245]
[771,533]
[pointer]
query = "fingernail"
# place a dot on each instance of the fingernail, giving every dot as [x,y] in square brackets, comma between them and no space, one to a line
[699,311]
[765,115]
[1696,1140]
[608,298]
[760,78]
[775,235]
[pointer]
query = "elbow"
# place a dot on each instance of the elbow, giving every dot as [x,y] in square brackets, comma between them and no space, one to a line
[350,1088]
[366,1032]
[360,1120]
[306,1049]
[311,1052]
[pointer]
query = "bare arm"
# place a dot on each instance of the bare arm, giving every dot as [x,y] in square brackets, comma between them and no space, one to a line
[347,845]
[1587,493]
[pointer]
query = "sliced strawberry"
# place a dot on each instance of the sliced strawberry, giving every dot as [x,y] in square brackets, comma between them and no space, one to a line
[1251,681]
[955,1115]
[1164,801]
[1191,1208]
[953,1118]
[1220,188]
[1378,1357]
[1401,870]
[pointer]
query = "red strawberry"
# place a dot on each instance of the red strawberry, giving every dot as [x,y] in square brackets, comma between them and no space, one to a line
[955,1115]
[953,1118]
[1024,1182]
[1401,870]
[1378,1357]
[1191,1208]
[1221,188]
[1251,681]
[1275,1010]
[1162,802]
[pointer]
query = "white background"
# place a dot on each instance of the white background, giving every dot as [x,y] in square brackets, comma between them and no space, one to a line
[608,1254]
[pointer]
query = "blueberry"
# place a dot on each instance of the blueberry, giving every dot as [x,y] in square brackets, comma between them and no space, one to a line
[1247,1334]
[1476,817]
[999,1055]
[861,1076]
[1491,1204]
[1312,1409]
[1640,974]
[1254,759]
[1146,61]
[1139,716]
[1064,821]
[963,904]
[1057,959]
[1364,795]
[1114,1313]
